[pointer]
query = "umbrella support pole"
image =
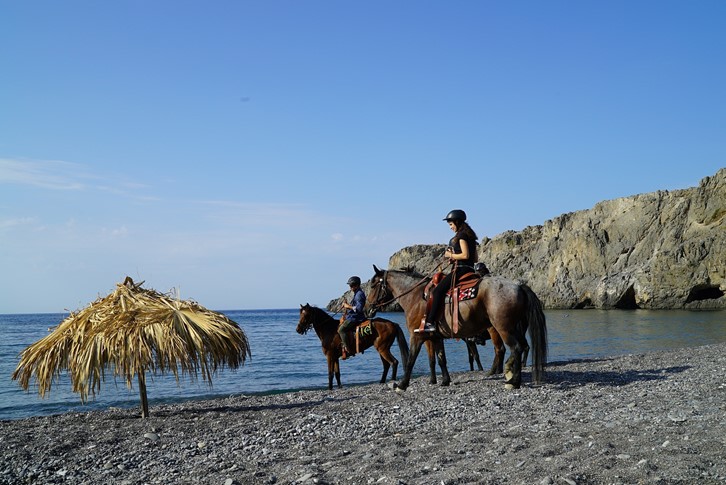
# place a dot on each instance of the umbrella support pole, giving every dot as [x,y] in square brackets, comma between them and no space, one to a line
[142,393]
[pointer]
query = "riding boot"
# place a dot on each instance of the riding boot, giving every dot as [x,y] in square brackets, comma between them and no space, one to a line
[428,327]
[346,349]
[350,347]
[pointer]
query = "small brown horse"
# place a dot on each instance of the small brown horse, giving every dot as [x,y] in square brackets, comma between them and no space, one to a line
[506,306]
[383,333]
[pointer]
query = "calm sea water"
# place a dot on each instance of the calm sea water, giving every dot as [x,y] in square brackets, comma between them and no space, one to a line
[282,360]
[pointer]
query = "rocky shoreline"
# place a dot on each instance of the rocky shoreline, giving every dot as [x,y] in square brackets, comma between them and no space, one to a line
[651,418]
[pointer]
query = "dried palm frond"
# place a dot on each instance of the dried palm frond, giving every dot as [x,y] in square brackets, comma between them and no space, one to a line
[131,331]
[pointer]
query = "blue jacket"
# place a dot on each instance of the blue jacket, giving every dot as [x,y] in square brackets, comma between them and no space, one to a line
[356,314]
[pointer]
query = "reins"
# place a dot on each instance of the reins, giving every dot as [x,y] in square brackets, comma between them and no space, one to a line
[384,289]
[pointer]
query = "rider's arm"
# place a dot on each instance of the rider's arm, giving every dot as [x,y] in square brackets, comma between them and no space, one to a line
[358,302]
[463,247]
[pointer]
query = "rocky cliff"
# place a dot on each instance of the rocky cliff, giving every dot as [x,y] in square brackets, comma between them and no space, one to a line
[659,250]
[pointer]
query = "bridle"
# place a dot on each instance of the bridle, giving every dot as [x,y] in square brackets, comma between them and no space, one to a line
[384,290]
[311,319]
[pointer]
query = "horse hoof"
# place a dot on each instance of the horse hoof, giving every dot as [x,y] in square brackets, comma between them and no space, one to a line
[399,388]
[392,385]
[509,386]
[508,375]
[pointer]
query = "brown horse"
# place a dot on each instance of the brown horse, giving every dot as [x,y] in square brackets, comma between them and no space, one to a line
[414,306]
[500,304]
[381,336]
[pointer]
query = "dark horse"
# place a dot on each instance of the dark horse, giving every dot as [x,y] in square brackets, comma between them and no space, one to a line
[501,304]
[383,333]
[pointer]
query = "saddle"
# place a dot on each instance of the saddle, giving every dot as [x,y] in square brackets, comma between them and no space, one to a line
[466,288]
[362,330]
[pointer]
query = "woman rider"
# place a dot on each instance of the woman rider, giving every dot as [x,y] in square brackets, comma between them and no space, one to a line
[462,251]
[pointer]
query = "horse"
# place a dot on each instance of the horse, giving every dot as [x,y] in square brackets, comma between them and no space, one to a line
[473,353]
[499,350]
[381,336]
[416,310]
[500,304]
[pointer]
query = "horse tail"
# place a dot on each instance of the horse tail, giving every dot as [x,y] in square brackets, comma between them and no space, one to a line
[402,344]
[537,333]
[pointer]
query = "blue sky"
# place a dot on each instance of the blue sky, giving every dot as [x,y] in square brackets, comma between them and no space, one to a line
[257,154]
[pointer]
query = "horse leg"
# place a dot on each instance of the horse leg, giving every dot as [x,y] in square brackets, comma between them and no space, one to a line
[394,369]
[416,343]
[330,373]
[525,353]
[432,361]
[386,366]
[499,351]
[513,366]
[388,360]
[441,355]
[336,369]
[473,354]
[383,345]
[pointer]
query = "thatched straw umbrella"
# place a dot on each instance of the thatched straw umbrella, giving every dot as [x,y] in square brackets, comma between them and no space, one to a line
[131,331]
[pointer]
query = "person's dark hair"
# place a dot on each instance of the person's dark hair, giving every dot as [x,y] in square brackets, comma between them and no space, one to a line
[465,228]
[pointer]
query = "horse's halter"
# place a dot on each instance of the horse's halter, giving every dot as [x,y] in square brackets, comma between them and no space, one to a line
[310,321]
[384,291]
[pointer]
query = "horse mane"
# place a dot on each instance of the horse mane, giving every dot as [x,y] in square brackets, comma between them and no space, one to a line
[322,312]
[409,271]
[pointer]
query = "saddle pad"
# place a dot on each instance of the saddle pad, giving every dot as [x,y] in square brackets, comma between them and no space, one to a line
[365,329]
[465,294]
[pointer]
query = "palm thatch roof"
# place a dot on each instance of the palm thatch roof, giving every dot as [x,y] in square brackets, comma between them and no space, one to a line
[130,332]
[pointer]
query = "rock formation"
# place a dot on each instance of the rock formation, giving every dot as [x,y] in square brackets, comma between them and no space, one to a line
[665,249]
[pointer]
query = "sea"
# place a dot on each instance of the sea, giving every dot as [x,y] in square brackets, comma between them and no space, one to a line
[284,361]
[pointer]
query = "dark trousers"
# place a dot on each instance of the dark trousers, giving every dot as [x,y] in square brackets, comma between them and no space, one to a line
[344,330]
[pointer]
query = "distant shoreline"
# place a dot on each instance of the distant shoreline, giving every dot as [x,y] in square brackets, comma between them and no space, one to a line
[695,310]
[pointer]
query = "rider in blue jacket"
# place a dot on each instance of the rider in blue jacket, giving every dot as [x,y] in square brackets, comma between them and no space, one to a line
[353,316]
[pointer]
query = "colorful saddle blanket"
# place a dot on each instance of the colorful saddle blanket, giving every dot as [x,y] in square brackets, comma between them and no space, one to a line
[467,286]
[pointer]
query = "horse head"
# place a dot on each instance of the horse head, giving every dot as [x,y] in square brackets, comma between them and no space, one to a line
[379,293]
[307,319]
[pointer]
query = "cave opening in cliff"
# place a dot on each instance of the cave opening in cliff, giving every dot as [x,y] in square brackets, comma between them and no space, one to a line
[704,292]
[584,303]
[627,300]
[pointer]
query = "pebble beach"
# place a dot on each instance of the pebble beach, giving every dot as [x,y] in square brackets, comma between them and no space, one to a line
[655,418]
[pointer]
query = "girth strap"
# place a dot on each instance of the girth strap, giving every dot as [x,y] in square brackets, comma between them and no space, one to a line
[455,313]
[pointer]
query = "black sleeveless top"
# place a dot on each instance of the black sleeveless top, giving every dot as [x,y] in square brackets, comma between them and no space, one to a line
[462,238]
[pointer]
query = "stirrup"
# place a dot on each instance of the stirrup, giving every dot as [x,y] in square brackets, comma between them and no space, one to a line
[428,327]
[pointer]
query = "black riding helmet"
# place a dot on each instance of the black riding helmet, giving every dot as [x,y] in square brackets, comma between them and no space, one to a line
[353,280]
[455,215]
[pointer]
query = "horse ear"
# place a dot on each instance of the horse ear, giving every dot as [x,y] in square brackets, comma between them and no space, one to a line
[378,271]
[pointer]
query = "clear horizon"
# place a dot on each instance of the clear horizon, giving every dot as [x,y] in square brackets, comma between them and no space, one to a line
[255,155]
